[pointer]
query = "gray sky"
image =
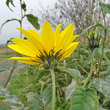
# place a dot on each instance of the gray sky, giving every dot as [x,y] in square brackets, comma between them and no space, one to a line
[9,30]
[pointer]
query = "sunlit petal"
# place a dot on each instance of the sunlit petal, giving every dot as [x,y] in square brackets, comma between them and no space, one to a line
[32,39]
[70,50]
[48,36]
[28,60]
[42,49]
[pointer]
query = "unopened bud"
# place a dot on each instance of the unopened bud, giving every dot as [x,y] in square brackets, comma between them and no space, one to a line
[93,40]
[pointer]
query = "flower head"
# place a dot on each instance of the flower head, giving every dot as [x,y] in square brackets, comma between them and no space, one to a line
[42,49]
[94,39]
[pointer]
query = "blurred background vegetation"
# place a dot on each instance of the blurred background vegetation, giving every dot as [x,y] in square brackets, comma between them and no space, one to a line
[29,87]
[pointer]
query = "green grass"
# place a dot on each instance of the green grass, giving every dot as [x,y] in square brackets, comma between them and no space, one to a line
[6,56]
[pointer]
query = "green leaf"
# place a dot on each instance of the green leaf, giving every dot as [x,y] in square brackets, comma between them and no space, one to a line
[90,27]
[33,20]
[13,19]
[11,101]
[105,7]
[70,89]
[84,99]
[23,6]
[2,97]
[34,101]
[103,86]
[40,102]
[8,2]
[75,74]
[47,96]
[105,73]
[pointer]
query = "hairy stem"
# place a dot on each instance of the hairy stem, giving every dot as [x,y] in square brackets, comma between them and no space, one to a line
[53,89]
[91,71]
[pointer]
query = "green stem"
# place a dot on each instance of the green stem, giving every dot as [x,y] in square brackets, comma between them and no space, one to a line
[103,45]
[53,89]
[91,71]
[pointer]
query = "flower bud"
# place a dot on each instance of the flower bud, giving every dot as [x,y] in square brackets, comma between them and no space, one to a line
[93,39]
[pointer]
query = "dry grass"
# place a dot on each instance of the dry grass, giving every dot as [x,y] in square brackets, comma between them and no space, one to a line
[5,53]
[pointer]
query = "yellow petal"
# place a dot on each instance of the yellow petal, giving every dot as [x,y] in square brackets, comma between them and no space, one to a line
[32,39]
[65,31]
[67,34]
[21,50]
[57,30]
[57,36]
[26,60]
[69,41]
[70,50]
[74,37]
[48,36]
[26,45]
[64,37]
[35,34]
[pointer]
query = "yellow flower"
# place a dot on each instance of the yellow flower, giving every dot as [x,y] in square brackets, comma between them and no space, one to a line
[49,45]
